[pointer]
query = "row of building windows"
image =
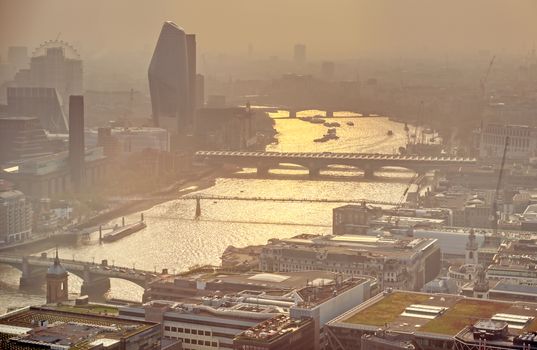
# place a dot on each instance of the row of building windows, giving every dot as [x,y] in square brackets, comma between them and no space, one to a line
[501,130]
[187,331]
[500,140]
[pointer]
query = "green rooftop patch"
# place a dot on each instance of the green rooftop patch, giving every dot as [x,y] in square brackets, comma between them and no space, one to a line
[387,309]
[464,313]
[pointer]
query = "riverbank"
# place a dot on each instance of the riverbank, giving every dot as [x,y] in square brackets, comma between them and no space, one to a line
[201,180]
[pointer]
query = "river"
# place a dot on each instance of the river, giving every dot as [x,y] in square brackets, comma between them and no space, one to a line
[174,240]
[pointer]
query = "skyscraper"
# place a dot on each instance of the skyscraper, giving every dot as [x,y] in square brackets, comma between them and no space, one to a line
[172,79]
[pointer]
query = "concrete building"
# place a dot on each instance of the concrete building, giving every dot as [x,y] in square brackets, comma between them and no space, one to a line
[351,219]
[15,215]
[129,140]
[210,310]
[50,175]
[225,128]
[55,64]
[432,321]
[22,138]
[170,78]
[40,102]
[49,328]
[522,142]
[404,263]
[278,333]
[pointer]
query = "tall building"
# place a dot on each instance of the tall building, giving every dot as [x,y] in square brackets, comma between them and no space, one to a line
[40,102]
[15,214]
[57,286]
[55,64]
[328,69]
[522,142]
[172,79]
[22,138]
[76,140]
[299,53]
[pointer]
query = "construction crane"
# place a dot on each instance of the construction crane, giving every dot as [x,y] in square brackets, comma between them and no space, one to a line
[494,214]
[484,80]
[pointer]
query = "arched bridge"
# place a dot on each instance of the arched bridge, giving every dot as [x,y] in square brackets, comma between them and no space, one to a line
[314,162]
[95,277]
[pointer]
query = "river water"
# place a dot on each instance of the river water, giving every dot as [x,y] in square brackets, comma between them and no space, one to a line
[174,240]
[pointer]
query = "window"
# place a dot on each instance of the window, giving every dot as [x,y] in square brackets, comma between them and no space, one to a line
[187,331]
[207,333]
[174,329]
[166,328]
[180,330]
[207,343]
[194,331]
[187,341]
[214,344]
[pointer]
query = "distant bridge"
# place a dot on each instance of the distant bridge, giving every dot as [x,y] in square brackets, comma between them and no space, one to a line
[254,199]
[95,277]
[315,162]
[328,110]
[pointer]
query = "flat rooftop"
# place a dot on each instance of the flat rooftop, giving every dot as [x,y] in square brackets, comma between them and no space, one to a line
[437,314]
[68,328]
[395,247]
[272,329]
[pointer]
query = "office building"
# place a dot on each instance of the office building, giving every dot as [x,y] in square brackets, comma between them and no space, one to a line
[22,138]
[435,322]
[62,329]
[126,141]
[209,310]
[55,64]
[50,176]
[522,142]
[278,333]
[200,91]
[351,219]
[15,214]
[299,54]
[225,128]
[171,82]
[40,102]
[403,263]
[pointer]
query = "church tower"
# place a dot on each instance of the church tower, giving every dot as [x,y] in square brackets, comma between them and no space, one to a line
[471,249]
[56,282]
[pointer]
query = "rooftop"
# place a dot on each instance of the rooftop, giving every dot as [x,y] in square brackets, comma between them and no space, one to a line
[439,314]
[67,329]
[272,329]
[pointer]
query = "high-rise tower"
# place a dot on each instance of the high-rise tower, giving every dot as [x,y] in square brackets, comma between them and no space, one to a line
[171,82]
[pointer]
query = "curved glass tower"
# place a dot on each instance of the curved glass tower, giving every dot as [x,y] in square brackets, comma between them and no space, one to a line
[169,80]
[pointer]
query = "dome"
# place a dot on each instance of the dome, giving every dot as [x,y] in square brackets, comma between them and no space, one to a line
[57,268]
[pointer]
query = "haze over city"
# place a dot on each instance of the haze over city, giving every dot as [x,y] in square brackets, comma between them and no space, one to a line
[268,175]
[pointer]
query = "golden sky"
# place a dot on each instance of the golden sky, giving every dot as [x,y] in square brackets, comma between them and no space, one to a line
[330,28]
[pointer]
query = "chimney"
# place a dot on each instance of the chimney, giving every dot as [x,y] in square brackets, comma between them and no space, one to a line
[76,141]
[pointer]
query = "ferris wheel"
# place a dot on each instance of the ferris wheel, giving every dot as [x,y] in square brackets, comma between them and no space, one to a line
[68,49]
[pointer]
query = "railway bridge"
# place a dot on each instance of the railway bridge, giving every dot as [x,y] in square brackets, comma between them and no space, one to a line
[369,163]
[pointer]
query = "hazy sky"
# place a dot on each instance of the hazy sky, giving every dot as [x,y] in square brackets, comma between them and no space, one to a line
[330,28]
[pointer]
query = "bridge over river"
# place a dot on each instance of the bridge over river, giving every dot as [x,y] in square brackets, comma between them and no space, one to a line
[315,162]
[95,277]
